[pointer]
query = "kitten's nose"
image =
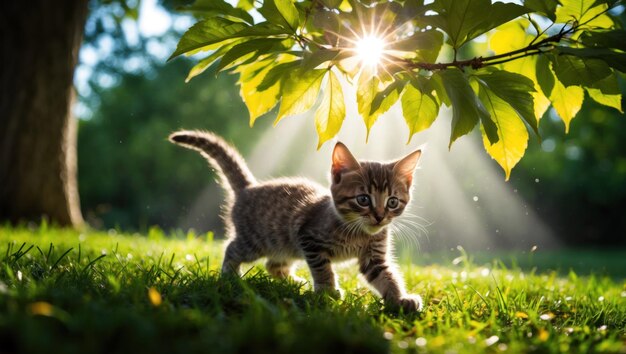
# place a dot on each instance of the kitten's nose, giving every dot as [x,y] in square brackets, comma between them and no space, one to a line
[378,218]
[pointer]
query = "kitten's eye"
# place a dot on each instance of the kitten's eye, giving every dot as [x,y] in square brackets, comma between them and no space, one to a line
[392,203]
[363,200]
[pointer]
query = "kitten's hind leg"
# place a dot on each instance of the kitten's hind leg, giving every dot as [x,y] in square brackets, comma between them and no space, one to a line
[282,269]
[278,269]
[233,257]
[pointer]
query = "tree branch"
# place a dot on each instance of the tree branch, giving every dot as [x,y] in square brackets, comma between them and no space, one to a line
[479,62]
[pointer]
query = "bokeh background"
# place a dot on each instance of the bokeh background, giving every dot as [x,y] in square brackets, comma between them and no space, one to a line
[567,193]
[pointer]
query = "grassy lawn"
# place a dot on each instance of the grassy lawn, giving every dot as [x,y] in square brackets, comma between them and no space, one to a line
[68,292]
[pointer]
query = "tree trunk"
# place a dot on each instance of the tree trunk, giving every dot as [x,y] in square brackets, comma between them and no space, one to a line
[39,43]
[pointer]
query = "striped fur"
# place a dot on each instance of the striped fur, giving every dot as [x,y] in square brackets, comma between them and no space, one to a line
[227,160]
[289,219]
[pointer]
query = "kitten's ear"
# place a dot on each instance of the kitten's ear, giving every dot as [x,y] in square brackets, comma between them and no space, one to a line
[342,161]
[405,167]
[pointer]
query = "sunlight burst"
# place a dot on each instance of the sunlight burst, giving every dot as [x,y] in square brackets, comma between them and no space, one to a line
[370,49]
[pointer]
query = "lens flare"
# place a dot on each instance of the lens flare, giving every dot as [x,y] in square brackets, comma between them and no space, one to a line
[370,50]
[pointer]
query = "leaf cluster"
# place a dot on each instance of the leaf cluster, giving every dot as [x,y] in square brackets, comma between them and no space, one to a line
[536,54]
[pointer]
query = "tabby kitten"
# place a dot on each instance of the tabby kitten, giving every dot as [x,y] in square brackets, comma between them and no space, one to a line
[289,219]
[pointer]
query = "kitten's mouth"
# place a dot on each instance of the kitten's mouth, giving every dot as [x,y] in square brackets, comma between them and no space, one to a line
[374,228]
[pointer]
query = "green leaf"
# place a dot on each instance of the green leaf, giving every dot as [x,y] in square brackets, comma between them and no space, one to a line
[420,109]
[281,12]
[546,7]
[258,102]
[545,79]
[262,29]
[318,57]
[572,70]
[245,4]
[332,111]
[616,60]
[386,98]
[300,92]
[515,90]
[261,45]
[332,4]
[276,73]
[512,133]
[367,88]
[466,107]
[440,90]
[614,101]
[220,7]
[608,85]
[206,62]
[615,39]
[411,10]
[583,11]
[464,20]
[204,33]
[567,101]
[426,44]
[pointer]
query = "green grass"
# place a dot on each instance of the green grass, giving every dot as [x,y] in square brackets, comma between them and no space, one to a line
[69,292]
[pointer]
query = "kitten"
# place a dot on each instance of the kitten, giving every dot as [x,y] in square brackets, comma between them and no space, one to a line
[288,219]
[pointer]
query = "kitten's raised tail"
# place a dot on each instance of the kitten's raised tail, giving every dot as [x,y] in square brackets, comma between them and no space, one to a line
[220,154]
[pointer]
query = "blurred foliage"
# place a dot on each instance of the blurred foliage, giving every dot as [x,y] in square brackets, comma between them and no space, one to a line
[129,176]
[577,182]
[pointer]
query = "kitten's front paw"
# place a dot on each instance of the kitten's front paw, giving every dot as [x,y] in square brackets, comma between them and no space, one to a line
[410,303]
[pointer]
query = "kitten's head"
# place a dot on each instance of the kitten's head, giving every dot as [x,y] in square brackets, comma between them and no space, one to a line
[371,194]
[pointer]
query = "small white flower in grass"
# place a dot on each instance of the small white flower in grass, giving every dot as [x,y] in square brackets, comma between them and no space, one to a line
[189,257]
[547,316]
[471,340]
[457,260]
[475,198]
[502,347]
[602,328]
[82,237]
[403,345]
[420,342]
[533,248]
[485,272]
[569,298]
[388,335]
[623,293]
[19,275]
[491,340]
[129,256]
[601,298]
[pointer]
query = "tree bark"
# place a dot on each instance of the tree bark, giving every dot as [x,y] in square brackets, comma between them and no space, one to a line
[39,43]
